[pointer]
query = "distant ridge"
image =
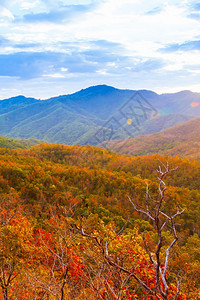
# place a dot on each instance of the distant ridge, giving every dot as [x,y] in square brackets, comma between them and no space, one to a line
[77,118]
[17,143]
[182,140]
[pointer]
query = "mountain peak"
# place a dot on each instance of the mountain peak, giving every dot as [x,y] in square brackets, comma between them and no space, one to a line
[19,98]
[102,88]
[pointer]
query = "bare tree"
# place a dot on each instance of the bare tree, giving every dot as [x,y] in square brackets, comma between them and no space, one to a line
[160,220]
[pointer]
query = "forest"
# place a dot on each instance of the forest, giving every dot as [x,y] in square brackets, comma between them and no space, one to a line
[181,140]
[82,222]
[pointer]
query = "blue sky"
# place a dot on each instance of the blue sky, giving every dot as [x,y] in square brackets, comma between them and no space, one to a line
[50,47]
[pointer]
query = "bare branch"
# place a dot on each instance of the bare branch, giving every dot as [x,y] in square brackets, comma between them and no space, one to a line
[119,232]
[178,290]
[162,285]
[111,262]
[141,211]
[131,274]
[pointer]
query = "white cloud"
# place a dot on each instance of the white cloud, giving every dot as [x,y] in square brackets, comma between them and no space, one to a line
[55,75]
[121,22]
[142,27]
[28,5]
[4,12]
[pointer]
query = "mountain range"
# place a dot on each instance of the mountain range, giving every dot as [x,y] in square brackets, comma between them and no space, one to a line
[95,114]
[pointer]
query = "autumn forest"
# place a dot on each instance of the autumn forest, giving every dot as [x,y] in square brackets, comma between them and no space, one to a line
[81,222]
[99,150]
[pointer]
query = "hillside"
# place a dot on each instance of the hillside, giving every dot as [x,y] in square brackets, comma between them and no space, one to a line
[182,140]
[50,191]
[17,143]
[95,114]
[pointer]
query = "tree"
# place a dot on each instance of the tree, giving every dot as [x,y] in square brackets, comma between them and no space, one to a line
[159,259]
[60,266]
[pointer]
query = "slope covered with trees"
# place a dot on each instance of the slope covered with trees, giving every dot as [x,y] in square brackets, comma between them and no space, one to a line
[82,117]
[62,205]
[17,143]
[182,140]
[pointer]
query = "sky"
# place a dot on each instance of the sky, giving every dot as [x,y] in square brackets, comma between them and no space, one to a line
[50,48]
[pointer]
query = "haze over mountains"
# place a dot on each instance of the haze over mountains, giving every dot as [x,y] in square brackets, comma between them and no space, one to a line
[182,140]
[95,114]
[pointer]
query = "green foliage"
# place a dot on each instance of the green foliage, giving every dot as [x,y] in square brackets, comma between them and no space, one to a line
[76,118]
[17,143]
[46,191]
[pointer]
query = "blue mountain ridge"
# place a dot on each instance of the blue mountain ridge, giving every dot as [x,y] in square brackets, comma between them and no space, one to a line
[95,114]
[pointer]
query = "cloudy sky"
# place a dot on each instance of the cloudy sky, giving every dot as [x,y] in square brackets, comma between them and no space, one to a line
[50,47]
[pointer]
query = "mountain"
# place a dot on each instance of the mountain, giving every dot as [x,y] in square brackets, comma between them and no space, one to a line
[95,114]
[182,140]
